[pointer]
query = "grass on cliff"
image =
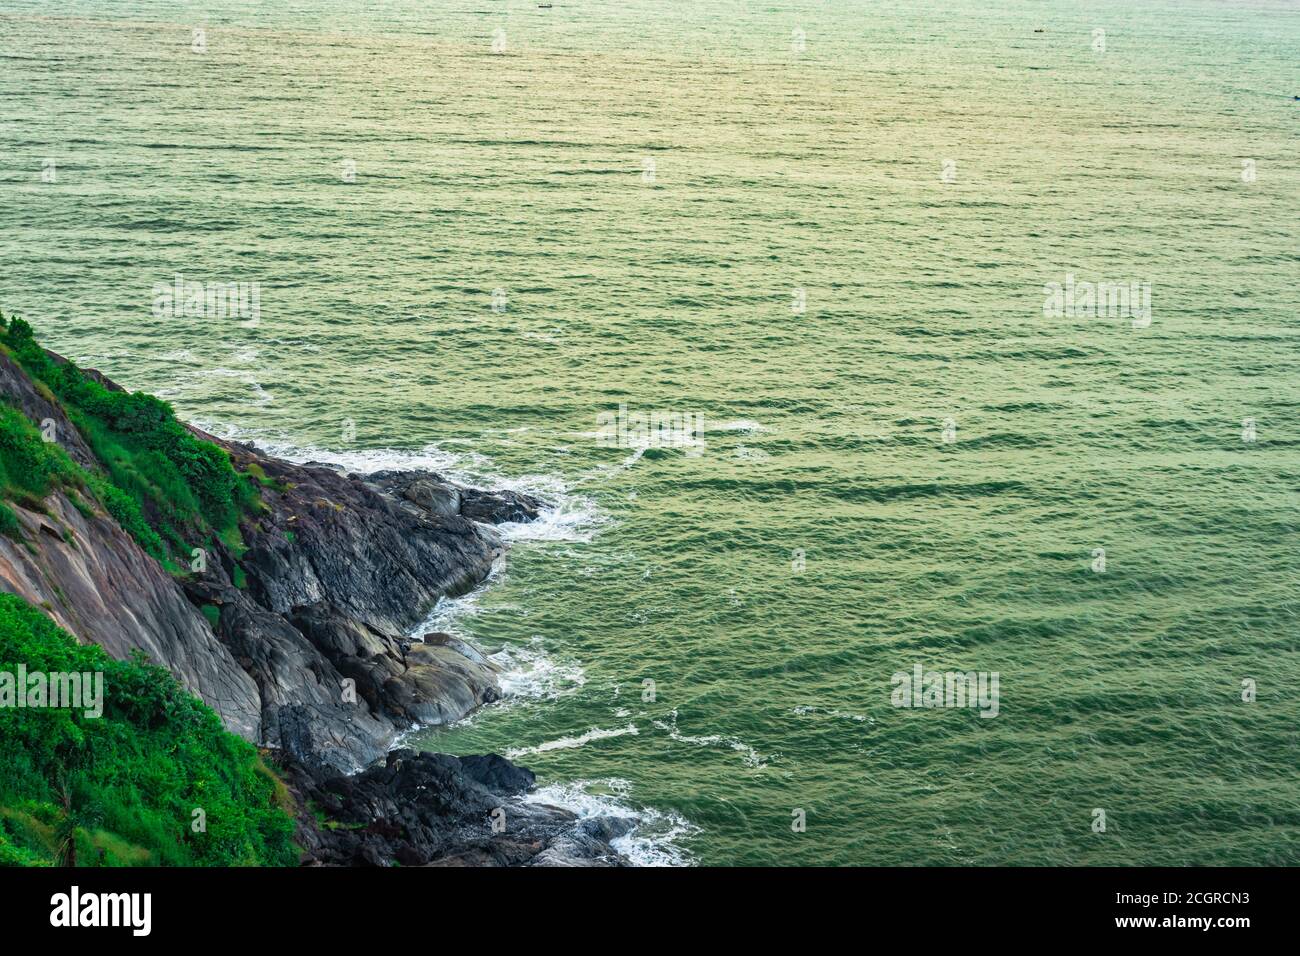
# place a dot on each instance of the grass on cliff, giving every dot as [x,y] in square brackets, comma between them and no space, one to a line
[121,789]
[30,468]
[168,488]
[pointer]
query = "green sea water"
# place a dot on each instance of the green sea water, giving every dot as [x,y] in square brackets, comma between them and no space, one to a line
[825,227]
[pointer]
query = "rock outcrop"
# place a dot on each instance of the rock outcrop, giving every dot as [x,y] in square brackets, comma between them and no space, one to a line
[425,809]
[336,573]
[309,650]
[301,640]
[429,492]
[97,584]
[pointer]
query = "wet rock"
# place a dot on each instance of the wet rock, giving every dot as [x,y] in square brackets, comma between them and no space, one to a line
[499,507]
[439,686]
[436,496]
[426,809]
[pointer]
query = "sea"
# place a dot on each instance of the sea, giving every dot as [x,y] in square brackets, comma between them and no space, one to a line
[913,386]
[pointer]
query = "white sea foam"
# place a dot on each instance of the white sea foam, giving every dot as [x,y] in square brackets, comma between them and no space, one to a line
[751,756]
[569,743]
[525,672]
[570,517]
[810,710]
[449,611]
[742,425]
[530,673]
[654,839]
[260,396]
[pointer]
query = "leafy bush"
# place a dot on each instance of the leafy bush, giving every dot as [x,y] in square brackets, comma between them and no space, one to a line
[9,525]
[27,462]
[182,487]
[121,789]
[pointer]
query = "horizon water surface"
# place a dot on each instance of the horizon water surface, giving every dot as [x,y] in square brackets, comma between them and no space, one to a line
[826,228]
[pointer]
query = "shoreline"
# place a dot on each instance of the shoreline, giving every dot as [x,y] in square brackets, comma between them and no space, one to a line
[294,623]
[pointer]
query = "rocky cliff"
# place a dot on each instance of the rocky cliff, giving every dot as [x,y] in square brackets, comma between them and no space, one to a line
[305,646]
[299,636]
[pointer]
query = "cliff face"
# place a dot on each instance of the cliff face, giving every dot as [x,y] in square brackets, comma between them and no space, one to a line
[307,649]
[97,584]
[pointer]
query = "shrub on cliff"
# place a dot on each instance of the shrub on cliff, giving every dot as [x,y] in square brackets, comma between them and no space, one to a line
[185,486]
[26,462]
[123,788]
[31,467]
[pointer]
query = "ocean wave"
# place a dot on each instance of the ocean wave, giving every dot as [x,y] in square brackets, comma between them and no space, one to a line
[261,397]
[654,839]
[531,673]
[808,710]
[741,425]
[449,611]
[570,743]
[751,756]
[524,672]
[570,517]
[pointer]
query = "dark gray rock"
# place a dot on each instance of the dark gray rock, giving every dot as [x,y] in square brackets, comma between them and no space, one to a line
[498,507]
[337,571]
[432,496]
[497,773]
[426,809]
[436,496]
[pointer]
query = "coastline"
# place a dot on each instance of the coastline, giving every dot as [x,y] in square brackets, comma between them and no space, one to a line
[301,629]
[525,672]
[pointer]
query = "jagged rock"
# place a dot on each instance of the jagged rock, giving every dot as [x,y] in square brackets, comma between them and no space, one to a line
[497,773]
[464,648]
[434,495]
[499,507]
[337,572]
[424,809]
[440,685]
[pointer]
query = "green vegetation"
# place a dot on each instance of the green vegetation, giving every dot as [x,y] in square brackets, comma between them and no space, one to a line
[213,615]
[121,789]
[9,526]
[166,487]
[30,468]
